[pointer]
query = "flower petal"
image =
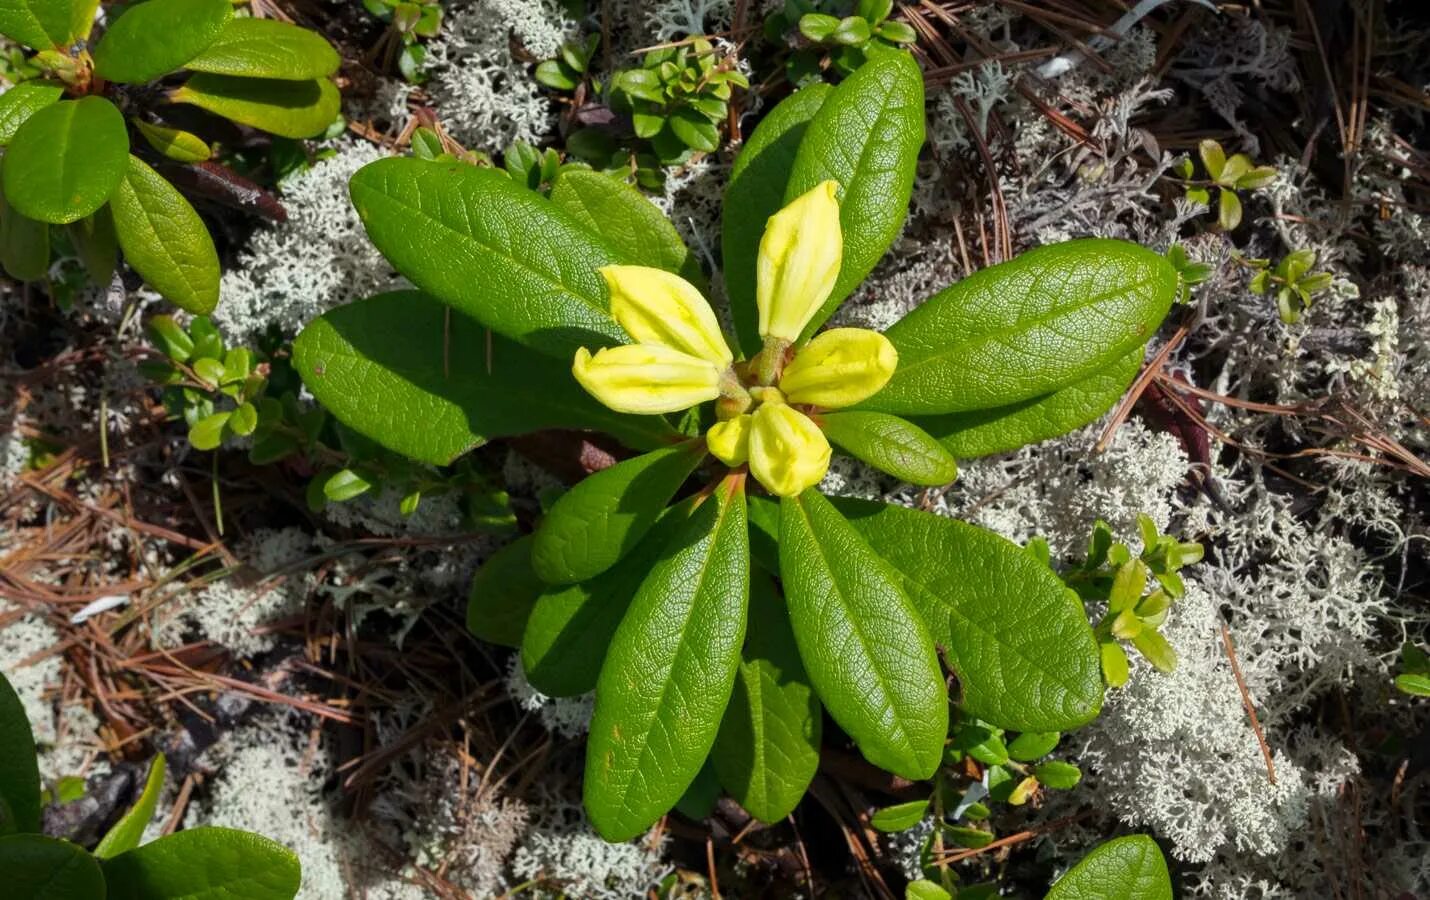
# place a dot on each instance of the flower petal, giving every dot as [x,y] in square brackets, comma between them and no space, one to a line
[729,441]
[799,261]
[646,379]
[659,307]
[840,367]
[788,452]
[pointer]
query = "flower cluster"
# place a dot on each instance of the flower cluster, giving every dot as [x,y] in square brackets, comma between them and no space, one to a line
[681,359]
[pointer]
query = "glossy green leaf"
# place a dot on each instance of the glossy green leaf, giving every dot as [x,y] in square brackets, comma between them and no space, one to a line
[36,867]
[924,889]
[890,444]
[1058,775]
[96,245]
[603,517]
[1031,746]
[502,595]
[19,772]
[205,864]
[41,24]
[151,39]
[508,257]
[900,816]
[292,109]
[570,628]
[979,432]
[129,830]
[767,750]
[22,101]
[164,240]
[267,48]
[755,192]
[24,245]
[1125,868]
[867,138]
[1051,317]
[445,387]
[867,652]
[622,217]
[1020,644]
[176,144]
[66,160]
[669,672]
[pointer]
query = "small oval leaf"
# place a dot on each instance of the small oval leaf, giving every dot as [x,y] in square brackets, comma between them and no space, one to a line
[178,145]
[604,516]
[1053,316]
[164,240]
[22,101]
[66,160]
[669,672]
[43,868]
[900,816]
[292,109]
[1125,868]
[205,864]
[151,39]
[892,445]
[267,48]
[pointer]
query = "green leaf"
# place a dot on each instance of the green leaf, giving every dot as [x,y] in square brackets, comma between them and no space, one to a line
[570,628]
[891,445]
[43,868]
[622,217]
[1053,316]
[41,24]
[344,485]
[1058,775]
[151,39]
[129,830]
[24,245]
[1213,157]
[446,384]
[923,889]
[66,160]
[900,816]
[767,750]
[1031,746]
[502,595]
[555,74]
[96,245]
[1126,868]
[1228,210]
[19,771]
[694,130]
[207,433]
[867,138]
[164,240]
[244,419]
[603,517]
[205,864]
[267,48]
[1155,649]
[669,672]
[180,146]
[1416,685]
[1020,644]
[754,193]
[170,338]
[508,257]
[292,109]
[1114,663]
[867,652]
[22,101]
[980,432]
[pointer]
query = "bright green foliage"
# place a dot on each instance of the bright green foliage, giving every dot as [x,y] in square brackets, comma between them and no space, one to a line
[151,39]
[1414,677]
[408,22]
[129,830]
[66,160]
[1189,273]
[164,239]
[890,444]
[292,109]
[767,750]
[565,71]
[267,48]
[176,144]
[1227,175]
[625,219]
[847,36]
[1024,328]
[669,672]
[900,817]
[205,864]
[1126,868]
[45,24]
[867,651]
[22,101]
[1292,281]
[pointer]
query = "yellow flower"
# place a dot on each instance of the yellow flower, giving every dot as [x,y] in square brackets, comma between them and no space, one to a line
[799,261]
[659,307]
[840,367]
[788,452]
[647,379]
[729,440]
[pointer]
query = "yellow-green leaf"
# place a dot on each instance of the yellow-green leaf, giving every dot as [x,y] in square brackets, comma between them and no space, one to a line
[151,39]
[66,160]
[293,109]
[176,144]
[164,240]
[267,48]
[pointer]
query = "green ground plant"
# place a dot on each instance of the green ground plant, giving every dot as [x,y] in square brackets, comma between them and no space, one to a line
[186,865]
[68,173]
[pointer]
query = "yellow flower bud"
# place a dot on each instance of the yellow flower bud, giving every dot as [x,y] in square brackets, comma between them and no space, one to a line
[840,367]
[788,452]
[659,307]
[646,378]
[729,441]
[799,261]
